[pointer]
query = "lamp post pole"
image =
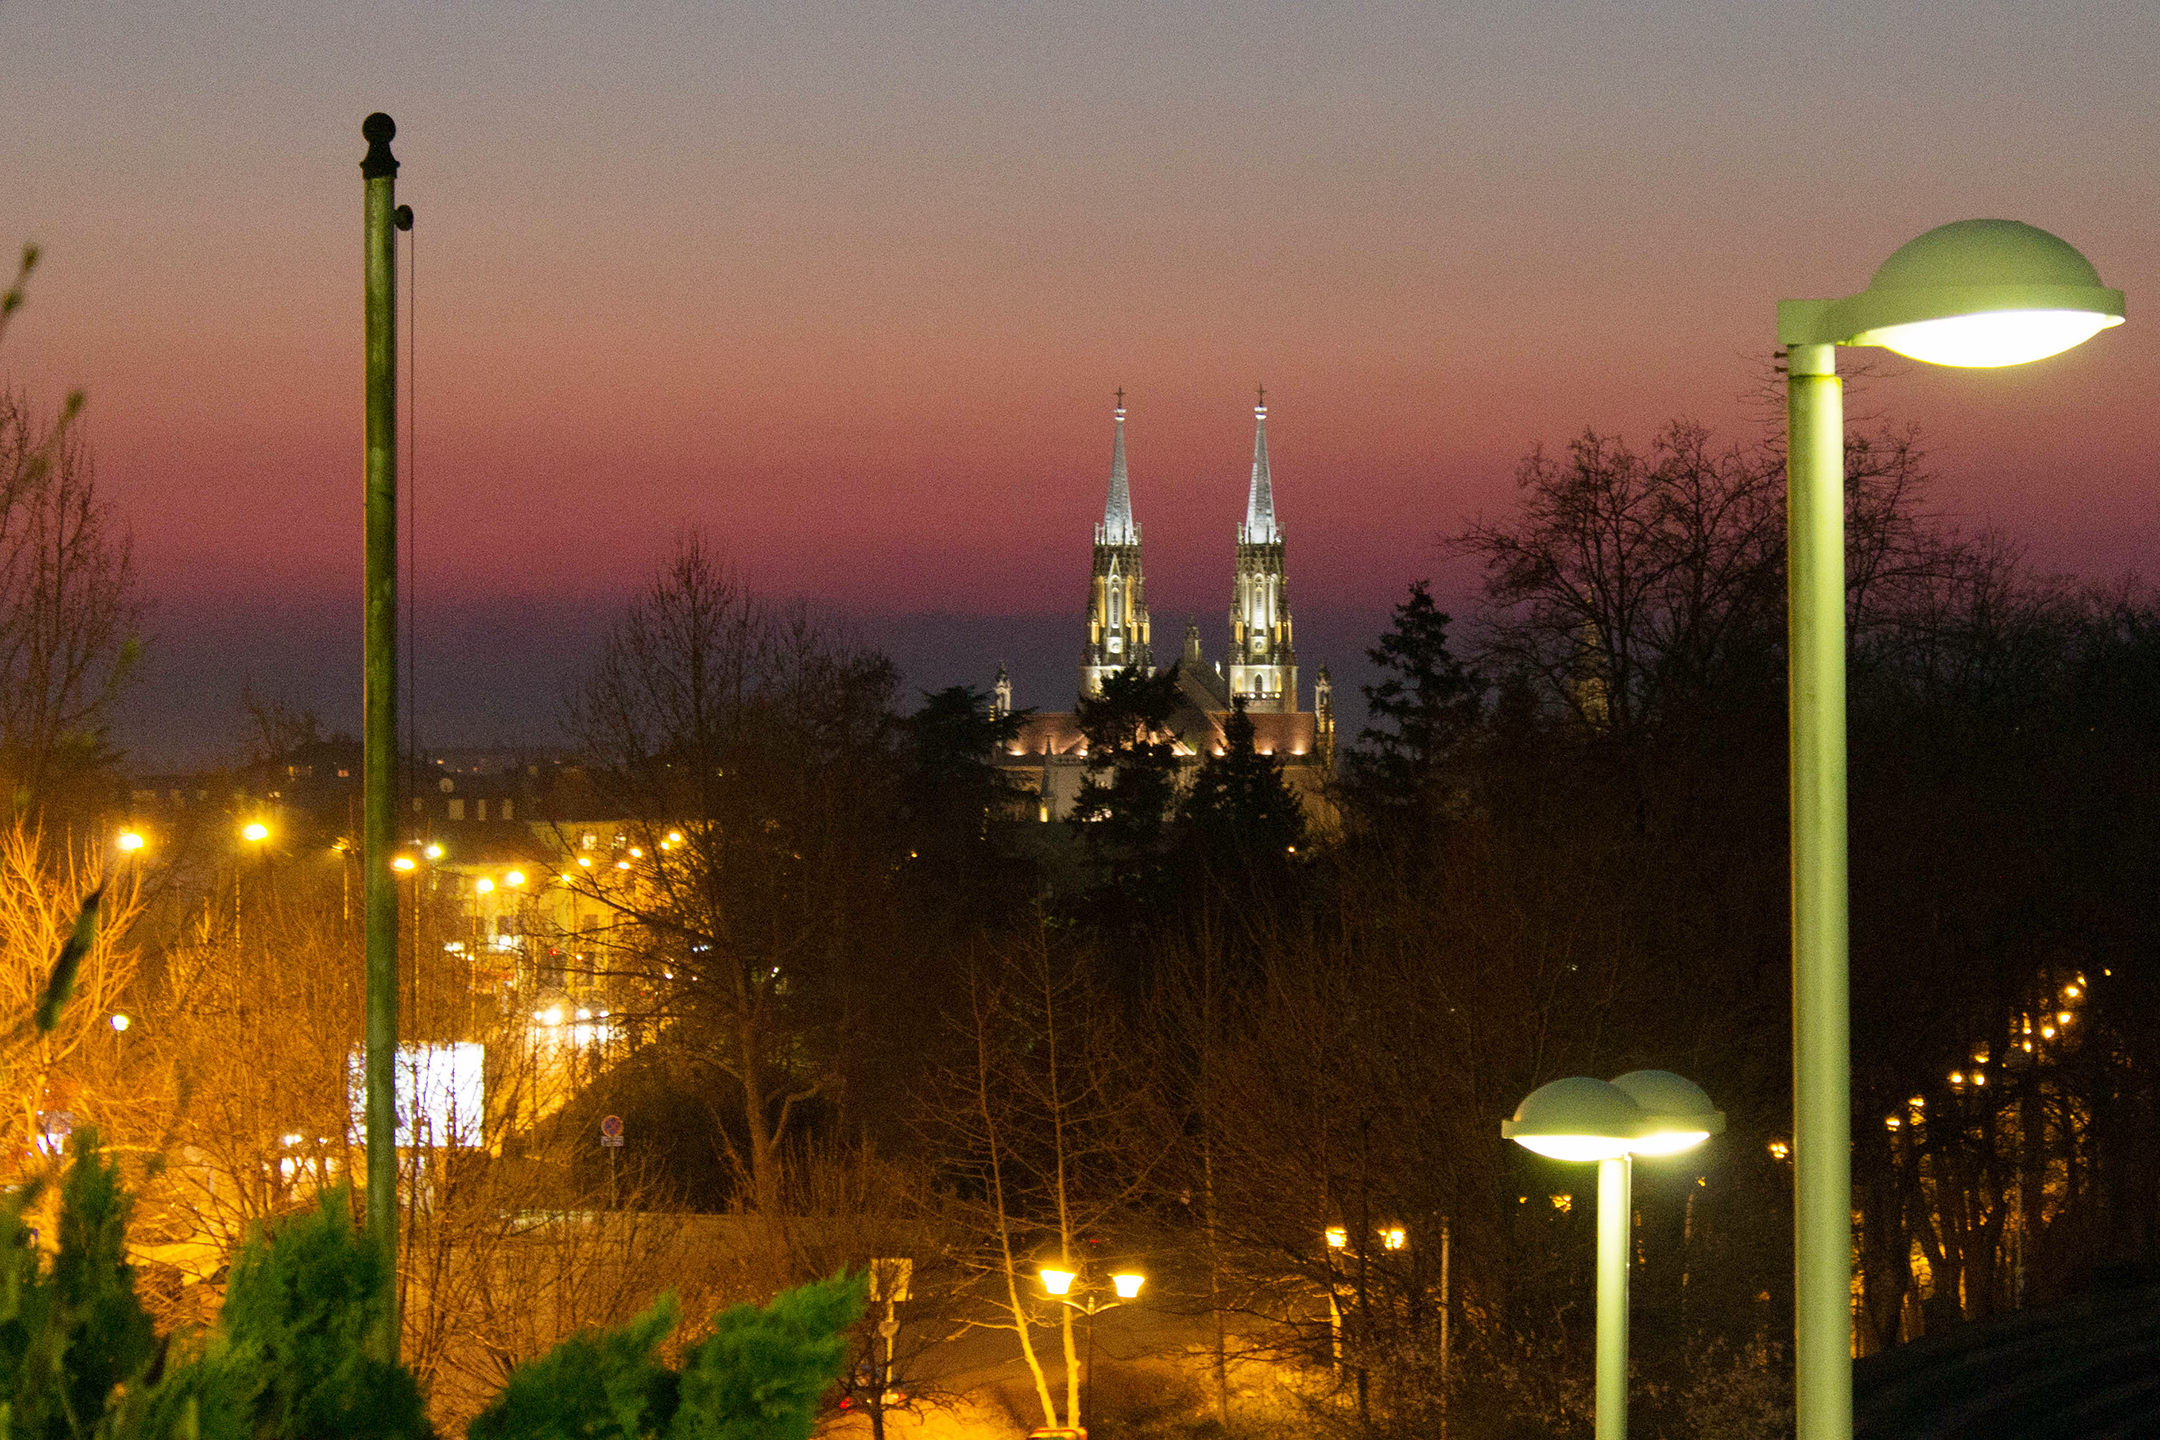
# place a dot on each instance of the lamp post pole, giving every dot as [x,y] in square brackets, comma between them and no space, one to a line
[379,900]
[1644,1112]
[1615,1209]
[1822,1045]
[1975,293]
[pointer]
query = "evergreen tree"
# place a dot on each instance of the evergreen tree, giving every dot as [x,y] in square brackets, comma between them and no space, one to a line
[954,791]
[1239,814]
[1425,706]
[1125,801]
[1131,763]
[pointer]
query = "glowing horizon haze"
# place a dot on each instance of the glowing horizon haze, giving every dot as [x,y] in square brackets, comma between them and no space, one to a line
[850,286]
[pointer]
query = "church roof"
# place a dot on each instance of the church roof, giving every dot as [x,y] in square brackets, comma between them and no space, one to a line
[1117,525]
[1260,527]
[1292,737]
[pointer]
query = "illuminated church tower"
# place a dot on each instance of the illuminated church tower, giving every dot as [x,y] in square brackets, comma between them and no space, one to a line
[1117,599]
[1262,663]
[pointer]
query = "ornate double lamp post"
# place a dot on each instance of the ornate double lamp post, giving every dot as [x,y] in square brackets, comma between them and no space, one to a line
[1644,1112]
[1977,293]
[1059,1285]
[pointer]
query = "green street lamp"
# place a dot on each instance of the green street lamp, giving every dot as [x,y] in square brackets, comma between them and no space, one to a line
[1644,1112]
[1978,293]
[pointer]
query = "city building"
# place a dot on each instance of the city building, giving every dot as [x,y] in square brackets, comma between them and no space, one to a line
[1047,759]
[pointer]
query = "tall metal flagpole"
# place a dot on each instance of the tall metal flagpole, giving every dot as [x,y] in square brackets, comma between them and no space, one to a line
[379,763]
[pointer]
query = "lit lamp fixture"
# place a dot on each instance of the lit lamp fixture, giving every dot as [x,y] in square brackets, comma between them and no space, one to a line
[132,840]
[1059,1284]
[1644,1112]
[403,864]
[483,885]
[1979,293]
[255,832]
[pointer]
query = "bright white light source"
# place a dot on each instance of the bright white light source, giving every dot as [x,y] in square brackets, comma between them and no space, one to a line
[121,1022]
[483,885]
[1128,1286]
[1668,1142]
[1994,338]
[1394,1238]
[442,1086]
[1576,1147]
[1337,1237]
[1057,1282]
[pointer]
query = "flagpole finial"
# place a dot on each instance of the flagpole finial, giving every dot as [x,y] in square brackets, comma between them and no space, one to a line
[378,130]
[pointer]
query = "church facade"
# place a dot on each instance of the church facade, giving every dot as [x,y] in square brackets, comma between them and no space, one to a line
[1048,758]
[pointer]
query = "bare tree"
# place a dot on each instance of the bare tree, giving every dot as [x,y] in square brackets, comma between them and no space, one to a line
[43,884]
[747,754]
[68,611]
[1035,1119]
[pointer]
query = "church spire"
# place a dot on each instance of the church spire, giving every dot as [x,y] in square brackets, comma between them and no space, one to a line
[1260,527]
[1117,595]
[1263,655]
[1117,527]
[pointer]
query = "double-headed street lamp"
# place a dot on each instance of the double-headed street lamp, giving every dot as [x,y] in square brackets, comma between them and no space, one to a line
[1979,293]
[1059,1284]
[1644,1112]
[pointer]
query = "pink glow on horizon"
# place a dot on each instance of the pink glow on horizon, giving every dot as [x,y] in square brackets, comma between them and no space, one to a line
[853,294]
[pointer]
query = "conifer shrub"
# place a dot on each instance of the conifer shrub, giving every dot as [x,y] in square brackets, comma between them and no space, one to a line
[289,1358]
[758,1376]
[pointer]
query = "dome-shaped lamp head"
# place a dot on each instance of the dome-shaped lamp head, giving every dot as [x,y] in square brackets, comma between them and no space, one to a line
[1681,1115]
[1975,293]
[1577,1119]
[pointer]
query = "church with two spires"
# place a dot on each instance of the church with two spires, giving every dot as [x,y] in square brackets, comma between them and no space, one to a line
[1048,757]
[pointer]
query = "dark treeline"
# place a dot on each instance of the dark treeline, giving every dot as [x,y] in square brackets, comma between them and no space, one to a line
[1559,848]
[850,993]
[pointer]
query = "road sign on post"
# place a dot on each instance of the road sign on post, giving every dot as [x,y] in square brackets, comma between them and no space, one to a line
[611,1131]
[889,1279]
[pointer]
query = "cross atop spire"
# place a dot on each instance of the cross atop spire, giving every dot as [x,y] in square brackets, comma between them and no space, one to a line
[1118,527]
[1260,527]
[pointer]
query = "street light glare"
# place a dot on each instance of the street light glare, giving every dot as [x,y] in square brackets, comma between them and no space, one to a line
[121,1022]
[131,840]
[403,863]
[433,852]
[1337,1237]
[514,879]
[1128,1286]
[483,885]
[1669,1142]
[1057,1282]
[255,831]
[1576,1147]
[1988,341]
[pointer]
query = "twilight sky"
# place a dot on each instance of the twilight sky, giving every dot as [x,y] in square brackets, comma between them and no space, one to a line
[850,286]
